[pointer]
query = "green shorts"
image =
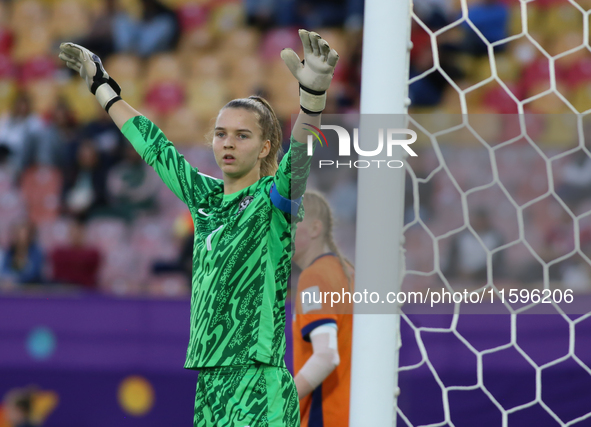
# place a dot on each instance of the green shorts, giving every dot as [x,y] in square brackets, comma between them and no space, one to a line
[246,396]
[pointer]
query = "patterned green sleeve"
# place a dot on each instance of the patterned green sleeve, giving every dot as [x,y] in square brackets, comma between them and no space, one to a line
[293,171]
[152,145]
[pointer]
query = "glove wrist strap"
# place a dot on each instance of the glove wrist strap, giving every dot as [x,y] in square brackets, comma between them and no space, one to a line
[312,102]
[106,96]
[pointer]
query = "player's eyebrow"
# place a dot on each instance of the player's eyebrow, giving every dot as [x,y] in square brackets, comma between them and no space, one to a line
[237,130]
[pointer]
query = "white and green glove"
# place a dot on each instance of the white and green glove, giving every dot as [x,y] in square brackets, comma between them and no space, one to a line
[314,73]
[91,69]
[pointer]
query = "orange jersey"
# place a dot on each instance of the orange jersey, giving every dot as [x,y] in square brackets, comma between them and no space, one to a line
[328,404]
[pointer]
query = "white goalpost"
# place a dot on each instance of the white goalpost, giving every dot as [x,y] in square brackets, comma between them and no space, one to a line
[384,89]
[515,171]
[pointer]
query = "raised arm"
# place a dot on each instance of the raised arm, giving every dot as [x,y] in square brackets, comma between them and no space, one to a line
[149,141]
[314,75]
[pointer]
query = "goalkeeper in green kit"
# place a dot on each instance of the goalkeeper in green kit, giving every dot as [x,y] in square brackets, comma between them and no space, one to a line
[243,236]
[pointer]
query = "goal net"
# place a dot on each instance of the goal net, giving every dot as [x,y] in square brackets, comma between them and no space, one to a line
[498,205]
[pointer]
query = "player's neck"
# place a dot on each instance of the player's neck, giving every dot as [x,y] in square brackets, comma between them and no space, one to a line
[233,185]
[314,252]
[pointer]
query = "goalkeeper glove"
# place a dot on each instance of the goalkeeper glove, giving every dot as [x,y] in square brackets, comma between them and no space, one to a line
[91,69]
[314,73]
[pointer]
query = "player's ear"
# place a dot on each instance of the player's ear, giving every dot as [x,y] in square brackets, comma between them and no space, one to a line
[316,228]
[266,148]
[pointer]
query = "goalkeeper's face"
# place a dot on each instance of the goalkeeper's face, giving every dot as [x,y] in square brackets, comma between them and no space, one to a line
[238,145]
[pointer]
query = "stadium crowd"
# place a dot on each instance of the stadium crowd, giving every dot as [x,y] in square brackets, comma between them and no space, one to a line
[77,204]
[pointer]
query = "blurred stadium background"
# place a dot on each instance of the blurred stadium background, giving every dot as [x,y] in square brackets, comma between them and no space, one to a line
[95,251]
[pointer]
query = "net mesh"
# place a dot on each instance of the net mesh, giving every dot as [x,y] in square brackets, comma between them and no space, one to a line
[497,200]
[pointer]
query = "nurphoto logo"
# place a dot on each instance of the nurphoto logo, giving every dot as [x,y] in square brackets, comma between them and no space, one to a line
[345,146]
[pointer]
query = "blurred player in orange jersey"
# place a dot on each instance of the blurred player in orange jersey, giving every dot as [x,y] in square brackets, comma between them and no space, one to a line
[321,333]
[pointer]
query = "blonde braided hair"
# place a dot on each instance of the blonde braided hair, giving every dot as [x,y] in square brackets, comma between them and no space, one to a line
[316,206]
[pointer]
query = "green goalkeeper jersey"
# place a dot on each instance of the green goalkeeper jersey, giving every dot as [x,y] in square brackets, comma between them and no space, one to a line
[241,255]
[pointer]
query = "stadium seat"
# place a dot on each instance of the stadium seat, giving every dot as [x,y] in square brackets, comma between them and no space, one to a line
[565,42]
[514,26]
[163,68]
[12,210]
[194,43]
[246,79]
[206,97]
[191,16]
[124,66]
[205,67]
[169,285]
[536,77]
[127,71]
[26,15]
[120,272]
[41,187]
[38,67]
[83,103]
[151,239]
[278,78]
[73,12]
[560,131]
[32,43]
[54,233]
[562,18]
[507,68]
[107,233]
[7,67]
[165,97]
[182,127]
[547,104]
[581,97]
[8,91]
[276,40]
[241,41]
[6,39]
[225,16]
[579,72]
[500,100]
[480,70]
[44,94]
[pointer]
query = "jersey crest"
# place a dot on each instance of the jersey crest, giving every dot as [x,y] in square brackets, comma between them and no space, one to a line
[244,203]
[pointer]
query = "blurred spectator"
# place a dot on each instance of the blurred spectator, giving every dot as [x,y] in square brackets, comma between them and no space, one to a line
[85,183]
[558,239]
[349,99]
[99,38]
[107,138]
[429,90]
[183,264]
[576,181]
[322,13]
[156,31]
[434,13]
[7,170]
[260,12]
[62,138]
[491,17]
[265,14]
[22,132]
[467,257]
[77,262]
[23,261]
[132,186]
[184,231]
[19,408]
